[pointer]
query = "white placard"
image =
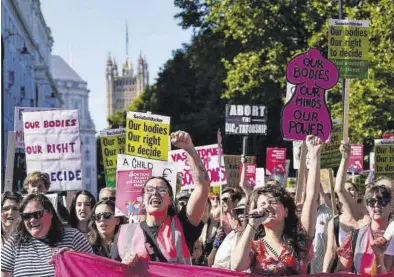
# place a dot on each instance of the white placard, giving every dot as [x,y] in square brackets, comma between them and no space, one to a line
[53,146]
[260,177]
[209,155]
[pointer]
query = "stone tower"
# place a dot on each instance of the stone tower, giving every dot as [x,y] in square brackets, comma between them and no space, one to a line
[123,89]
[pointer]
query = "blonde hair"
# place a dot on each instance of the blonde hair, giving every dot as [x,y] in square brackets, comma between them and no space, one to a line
[35,176]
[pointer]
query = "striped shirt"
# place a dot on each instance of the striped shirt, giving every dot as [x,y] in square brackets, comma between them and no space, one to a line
[31,258]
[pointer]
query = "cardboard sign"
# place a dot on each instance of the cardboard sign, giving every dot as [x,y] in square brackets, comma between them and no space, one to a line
[147,136]
[132,173]
[330,154]
[348,47]
[307,112]
[356,159]
[384,157]
[113,142]
[276,161]
[18,123]
[53,146]
[209,155]
[245,119]
[232,165]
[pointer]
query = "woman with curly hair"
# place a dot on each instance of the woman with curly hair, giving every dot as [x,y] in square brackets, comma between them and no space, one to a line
[10,215]
[284,247]
[81,211]
[103,228]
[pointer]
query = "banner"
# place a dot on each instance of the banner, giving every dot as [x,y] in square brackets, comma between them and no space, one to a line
[356,159]
[245,119]
[209,155]
[113,142]
[72,263]
[147,136]
[306,113]
[132,173]
[232,165]
[53,146]
[276,161]
[348,47]
[18,123]
[330,154]
[384,157]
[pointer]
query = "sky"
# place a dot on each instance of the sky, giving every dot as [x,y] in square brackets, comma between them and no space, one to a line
[85,31]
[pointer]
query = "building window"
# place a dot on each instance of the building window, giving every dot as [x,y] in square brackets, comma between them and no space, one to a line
[87,172]
[87,155]
[87,140]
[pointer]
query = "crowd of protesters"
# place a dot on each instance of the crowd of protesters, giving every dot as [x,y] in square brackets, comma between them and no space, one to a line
[262,231]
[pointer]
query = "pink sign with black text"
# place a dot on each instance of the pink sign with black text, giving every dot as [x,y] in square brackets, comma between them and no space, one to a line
[306,113]
[356,159]
[276,161]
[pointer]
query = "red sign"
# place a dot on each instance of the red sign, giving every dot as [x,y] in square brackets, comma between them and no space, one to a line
[276,161]
[250,174]
[388,136]
[356,158]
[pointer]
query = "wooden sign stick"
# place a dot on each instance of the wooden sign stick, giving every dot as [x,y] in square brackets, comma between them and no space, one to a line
[9,166]
[300,189]
[346,112]
[333,198]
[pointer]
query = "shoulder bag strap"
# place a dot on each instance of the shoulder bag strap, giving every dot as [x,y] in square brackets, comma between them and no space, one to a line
[336,229]
[151,241]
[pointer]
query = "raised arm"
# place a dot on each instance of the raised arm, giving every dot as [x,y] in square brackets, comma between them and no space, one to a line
[349,204]
[331,250]
[309,209]
[196,204]
[243,183]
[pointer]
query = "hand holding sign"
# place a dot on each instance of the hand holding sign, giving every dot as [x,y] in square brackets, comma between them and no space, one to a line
[314,145]
[345,149]
[181,140]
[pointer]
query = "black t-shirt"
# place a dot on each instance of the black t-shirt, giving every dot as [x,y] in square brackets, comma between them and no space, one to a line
[191,232]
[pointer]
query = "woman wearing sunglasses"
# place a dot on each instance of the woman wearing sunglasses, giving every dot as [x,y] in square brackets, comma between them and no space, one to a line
[40,234]
[10,216]
[81,211]
[284,247]
[363,250]
[103,228]
[167,235]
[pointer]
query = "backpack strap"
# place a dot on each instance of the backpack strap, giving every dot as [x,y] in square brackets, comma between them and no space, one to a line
[336,229]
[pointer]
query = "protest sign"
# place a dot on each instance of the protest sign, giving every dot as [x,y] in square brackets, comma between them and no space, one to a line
[18,123]
[330,153]
[113,142]
[250,175]
[371,161]
[209,155]
[307,113]
[356,159]
[147,136]
[232,165]
[348,47]
[53,146]
[276,161]
[19,170]
[132,173]
[245,119]
[388,136]
[260,177]
[384,157]
[53,197]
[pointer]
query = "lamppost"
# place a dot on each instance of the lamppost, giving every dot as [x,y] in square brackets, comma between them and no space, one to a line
[24,51]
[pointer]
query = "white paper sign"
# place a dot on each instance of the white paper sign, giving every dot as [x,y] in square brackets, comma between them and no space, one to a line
[260,177]
[53,146]
[209,155]
[18,123]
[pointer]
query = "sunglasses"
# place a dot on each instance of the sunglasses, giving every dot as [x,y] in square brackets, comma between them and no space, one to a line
[35,215]
[239,212]
[151,190]
[103,216]
[108,198]
[225,199]
[371,202]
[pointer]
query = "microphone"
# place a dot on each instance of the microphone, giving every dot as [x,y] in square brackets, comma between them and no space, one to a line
[264,213]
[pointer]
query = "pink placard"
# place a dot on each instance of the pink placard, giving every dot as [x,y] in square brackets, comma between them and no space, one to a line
[388,136]
[306,112]
[356,158]
[276,161]
[250,174]
[129,185]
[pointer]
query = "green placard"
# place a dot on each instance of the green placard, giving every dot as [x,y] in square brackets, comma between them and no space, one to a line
[348,47]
